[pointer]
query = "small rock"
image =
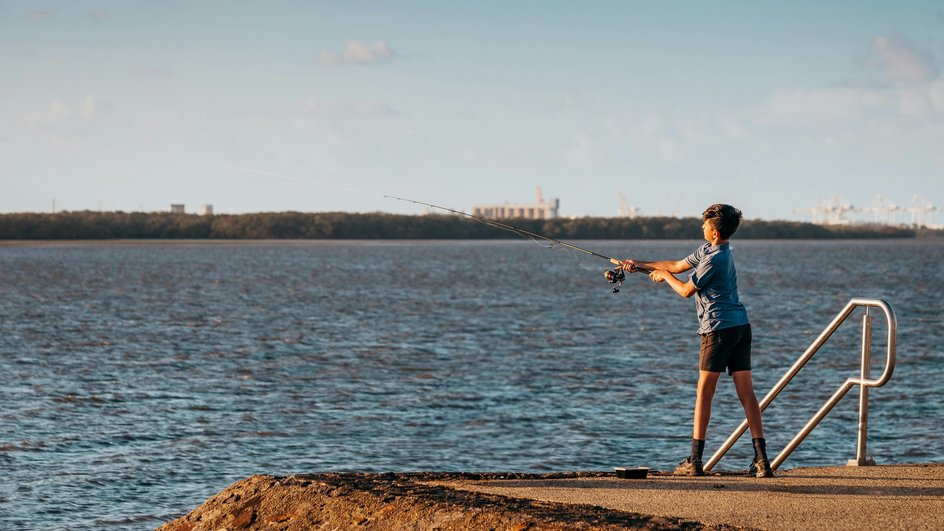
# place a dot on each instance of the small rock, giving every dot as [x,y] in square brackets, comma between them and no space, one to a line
[284,517]
[244,518]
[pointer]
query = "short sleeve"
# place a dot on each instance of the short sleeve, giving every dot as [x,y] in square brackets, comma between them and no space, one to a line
[702,274]
[695,258]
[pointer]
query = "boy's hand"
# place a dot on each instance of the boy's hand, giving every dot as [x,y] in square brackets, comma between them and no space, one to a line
[626,265]
[659,275]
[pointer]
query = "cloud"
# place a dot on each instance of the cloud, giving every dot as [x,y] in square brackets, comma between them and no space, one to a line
[314,109]
[675,137]
[60,113]
[669,150]
[88,107]
[910,87]
[40,14]
[357,53]
[936,94]
[900,62]
[154,72]
[922,102]
[836,102]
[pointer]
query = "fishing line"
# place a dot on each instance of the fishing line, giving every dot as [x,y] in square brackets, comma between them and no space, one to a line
[510,228]
[614,276]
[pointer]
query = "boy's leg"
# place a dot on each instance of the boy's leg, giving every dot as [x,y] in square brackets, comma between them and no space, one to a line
[707,382]
[744,385]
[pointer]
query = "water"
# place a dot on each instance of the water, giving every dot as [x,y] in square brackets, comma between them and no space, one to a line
[140,379]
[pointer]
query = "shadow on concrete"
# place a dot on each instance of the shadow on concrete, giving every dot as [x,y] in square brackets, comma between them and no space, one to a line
[832,486]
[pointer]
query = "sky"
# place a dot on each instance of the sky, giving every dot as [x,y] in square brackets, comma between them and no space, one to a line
[329,106]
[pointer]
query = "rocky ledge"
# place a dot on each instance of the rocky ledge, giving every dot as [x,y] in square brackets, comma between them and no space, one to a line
[398,501]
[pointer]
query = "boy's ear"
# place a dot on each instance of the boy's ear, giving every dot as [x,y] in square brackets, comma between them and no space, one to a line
[716,233]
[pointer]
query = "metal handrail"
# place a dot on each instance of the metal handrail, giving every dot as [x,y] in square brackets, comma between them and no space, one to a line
[864,381]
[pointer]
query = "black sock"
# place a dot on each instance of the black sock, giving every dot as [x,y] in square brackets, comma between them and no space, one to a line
[698,448]
[760,449]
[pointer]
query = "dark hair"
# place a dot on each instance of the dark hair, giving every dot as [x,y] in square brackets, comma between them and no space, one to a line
[725,218]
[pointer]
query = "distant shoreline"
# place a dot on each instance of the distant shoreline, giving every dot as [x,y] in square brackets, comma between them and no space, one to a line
[142,226]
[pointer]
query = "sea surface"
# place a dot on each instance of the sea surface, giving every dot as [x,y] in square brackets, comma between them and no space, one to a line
[140,378]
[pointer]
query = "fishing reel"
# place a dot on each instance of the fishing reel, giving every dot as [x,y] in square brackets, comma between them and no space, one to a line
[615,276]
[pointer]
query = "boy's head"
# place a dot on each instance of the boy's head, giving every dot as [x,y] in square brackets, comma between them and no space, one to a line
[724,218]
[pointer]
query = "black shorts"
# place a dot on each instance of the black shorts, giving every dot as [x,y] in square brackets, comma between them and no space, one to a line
[728,348]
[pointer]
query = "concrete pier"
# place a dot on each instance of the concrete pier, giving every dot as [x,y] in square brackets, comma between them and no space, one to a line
[854,498]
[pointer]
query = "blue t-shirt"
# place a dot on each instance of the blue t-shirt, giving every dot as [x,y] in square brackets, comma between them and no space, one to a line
[716,300]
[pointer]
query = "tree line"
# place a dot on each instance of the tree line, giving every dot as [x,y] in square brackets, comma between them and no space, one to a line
[343,225]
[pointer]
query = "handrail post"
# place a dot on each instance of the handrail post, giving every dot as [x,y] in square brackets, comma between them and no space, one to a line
[861,457]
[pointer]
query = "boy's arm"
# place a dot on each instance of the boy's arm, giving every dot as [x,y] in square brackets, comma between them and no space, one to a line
[672,266]
[685,289]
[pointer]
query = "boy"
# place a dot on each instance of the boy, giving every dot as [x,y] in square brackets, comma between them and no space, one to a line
[723,326]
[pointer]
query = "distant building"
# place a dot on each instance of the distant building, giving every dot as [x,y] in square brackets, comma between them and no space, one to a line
[206,210]
[177,209]
[626,211]
[539,210]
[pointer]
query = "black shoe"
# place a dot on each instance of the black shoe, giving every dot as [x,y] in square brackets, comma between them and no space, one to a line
[689,468]
[760,469]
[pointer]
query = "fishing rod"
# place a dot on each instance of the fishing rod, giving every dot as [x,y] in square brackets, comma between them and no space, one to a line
[614,276]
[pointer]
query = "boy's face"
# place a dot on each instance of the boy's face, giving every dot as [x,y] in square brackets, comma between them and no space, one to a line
[708,228]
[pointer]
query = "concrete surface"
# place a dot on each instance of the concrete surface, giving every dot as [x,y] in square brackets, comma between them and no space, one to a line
[876,497]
